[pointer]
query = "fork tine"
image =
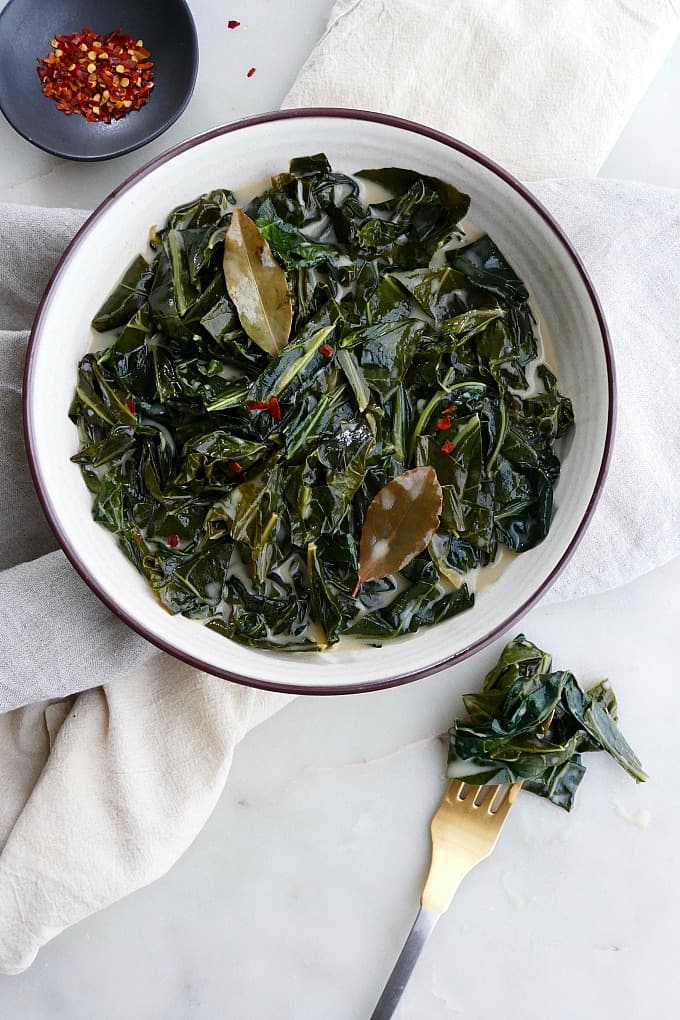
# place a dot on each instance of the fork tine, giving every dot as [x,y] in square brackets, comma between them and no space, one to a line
[482,795]
[505,803]
[455,789]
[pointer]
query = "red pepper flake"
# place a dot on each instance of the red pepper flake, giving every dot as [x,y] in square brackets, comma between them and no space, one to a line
[450,408]
[257,405]
[326,350]
[100,77]
[131,406]
[443,423]
[274,408]
[448,446]
[251,72]
[173,541]
[234,466]
[233,24]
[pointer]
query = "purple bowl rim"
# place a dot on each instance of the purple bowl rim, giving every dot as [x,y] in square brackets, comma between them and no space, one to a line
[517,614]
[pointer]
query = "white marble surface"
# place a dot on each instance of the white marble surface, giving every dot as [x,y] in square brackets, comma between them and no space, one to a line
[294,900]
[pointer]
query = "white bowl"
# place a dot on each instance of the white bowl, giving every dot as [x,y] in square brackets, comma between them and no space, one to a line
[238,156]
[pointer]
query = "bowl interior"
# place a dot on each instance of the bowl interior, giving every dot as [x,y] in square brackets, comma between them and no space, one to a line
[26,29]
[241,157]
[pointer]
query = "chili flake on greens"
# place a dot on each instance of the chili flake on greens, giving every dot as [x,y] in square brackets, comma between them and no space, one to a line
[101,77]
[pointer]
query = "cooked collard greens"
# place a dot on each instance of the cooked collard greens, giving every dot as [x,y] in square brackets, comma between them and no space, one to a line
[317,416]
[531,724]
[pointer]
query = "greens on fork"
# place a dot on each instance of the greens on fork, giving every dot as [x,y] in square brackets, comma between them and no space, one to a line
[318,416]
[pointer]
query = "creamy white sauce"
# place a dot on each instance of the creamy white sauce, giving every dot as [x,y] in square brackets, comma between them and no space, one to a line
[481,577]
[641,818]
[341,291]
[470,231]
[379,601]
[372,193]
[315,231]
[213,590]
[252,190]
[462,767]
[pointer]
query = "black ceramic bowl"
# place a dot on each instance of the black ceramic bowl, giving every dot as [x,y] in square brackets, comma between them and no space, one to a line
[26,30]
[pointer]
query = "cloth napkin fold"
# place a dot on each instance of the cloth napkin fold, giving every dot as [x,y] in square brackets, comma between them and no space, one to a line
[543,86]
[103,791]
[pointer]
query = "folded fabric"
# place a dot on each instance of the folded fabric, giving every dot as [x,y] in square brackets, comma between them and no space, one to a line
[55,638]
[543,87]
[103,792]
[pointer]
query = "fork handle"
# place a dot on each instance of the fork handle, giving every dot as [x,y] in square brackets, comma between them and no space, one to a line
[398,979]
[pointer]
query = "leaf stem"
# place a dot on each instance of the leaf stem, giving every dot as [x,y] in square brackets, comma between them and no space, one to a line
[355,377]
[499,440]
[287,377]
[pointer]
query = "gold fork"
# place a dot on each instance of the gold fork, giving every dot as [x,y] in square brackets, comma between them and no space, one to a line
[465,829]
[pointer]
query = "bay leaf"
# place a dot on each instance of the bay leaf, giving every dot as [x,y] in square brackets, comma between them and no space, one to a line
[256,284]
[399,524]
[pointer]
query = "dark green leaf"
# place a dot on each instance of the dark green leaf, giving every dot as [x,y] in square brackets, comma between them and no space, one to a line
[388,350]
[440,292]
[130,294]
[594,717]
[398,180]
[486,267]
[531,725]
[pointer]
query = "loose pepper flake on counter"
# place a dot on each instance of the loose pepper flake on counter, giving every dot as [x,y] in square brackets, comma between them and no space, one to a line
[101,77]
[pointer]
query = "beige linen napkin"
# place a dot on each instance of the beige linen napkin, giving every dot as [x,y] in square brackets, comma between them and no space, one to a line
[543,86]
[101,793]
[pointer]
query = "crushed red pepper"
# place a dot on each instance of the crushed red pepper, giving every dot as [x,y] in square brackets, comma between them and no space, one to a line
[173,541]
[131,406]
[448,446]
[443,423]
[326,350]
[233,24]
[251,72]
[101,77]
[234,466]
[274,408]
[271,405]
[450,408]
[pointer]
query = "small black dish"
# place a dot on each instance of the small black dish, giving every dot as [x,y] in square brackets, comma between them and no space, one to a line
[26,30]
